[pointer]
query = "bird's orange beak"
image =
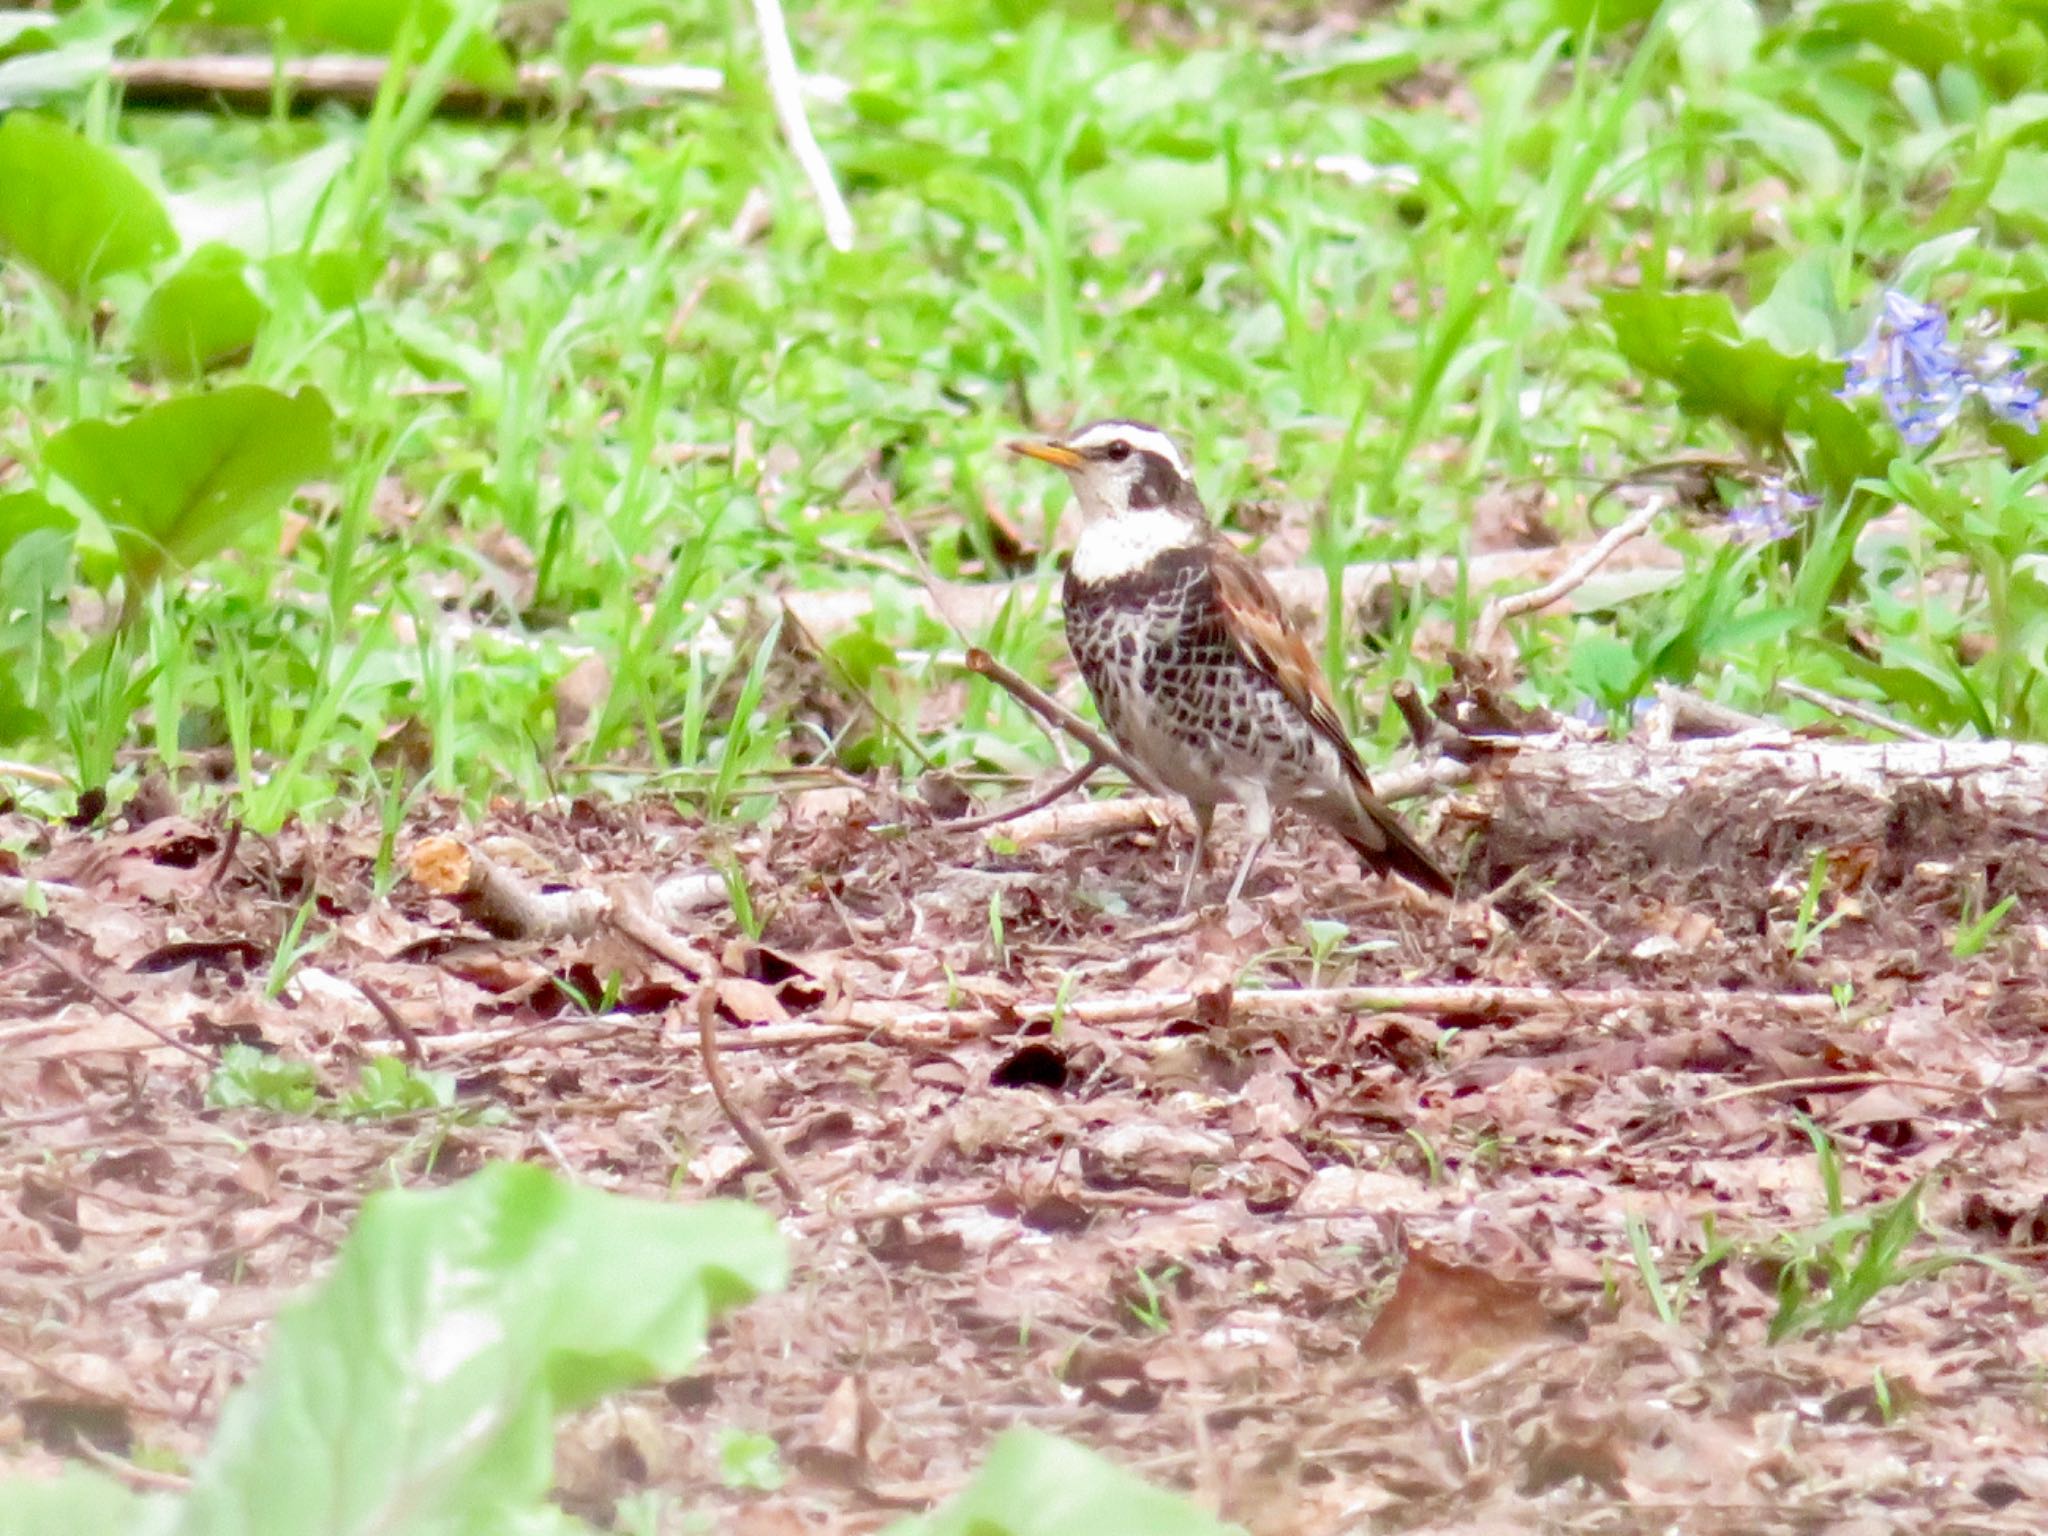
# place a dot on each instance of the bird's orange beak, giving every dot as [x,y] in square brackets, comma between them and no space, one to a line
[1051,453]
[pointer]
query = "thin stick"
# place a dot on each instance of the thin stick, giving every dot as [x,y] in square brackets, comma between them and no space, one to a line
[1574,576]
[18,891]
[250,82]
[1848,709]
[227,855]
[108,1000]
[766,1153]
[1057,714]
[667,947]
[1332,1002]
[29,773]
[1841,1082]
[786,86]
[142,1479]
[402,1032]
[1037,802]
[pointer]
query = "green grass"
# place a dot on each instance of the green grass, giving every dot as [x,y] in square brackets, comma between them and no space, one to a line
[577,415]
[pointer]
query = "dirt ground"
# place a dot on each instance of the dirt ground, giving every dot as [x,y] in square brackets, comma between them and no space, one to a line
[1325,1265]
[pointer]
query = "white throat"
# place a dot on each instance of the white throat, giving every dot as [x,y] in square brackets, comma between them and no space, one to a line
[1116,546]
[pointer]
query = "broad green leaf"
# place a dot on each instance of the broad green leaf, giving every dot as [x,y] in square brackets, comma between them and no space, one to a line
[181,480]
[24,31]
[1798,318]
[81,1502]
[25,513]
[1601,15]
[415,1392]
[1603,667]
[1175,196]
[359,26]
[1754,386]
[201,316]
[1930,258]
[1035,1484]
[1715,38]
[1844,449]
[270,212]
[32,77]
[1654,327]
[71,210]
[44,55]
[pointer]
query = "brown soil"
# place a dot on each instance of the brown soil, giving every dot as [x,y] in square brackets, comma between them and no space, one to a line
[1355,1272]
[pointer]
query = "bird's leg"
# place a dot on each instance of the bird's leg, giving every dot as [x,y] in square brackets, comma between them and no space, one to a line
[1204,814]
[1258,826]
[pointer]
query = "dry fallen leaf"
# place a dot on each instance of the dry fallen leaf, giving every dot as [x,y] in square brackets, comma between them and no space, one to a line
[1450,1320]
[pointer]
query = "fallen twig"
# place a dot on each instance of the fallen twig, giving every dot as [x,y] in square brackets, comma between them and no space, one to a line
[1091,820]
[141,1479]
[1632,782]
[1679,712]
[505,903]
[1331,1002]
[228,847]
[1841,1082]
[785,86]
[255,82]
[499,899]
[1303,589]
[20,894]
[1848,709]
[1038,802]
[1057,714]
[766,1152]
[402,1032]
[1039,821]
[106,999]
[29,773]
[686,958]
[670,948]
[1497,612]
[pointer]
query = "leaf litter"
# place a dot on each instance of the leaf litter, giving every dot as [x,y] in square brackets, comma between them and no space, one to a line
[1344,1268]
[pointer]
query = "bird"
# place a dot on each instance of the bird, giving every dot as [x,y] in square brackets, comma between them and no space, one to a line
[1195,668]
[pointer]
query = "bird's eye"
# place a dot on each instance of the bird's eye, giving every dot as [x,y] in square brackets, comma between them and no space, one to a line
[1118,451]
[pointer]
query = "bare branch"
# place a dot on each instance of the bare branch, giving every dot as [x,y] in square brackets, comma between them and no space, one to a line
[1304,589]
[107,1000]
[1038,802]
[1849,709]
[252,82]
[1574,576]
[787,89]
[1058,715]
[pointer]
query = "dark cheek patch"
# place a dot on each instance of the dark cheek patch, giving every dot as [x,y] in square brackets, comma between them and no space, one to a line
[1155,485]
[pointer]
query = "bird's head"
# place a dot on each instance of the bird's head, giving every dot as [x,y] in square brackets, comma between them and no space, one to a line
[1121,467]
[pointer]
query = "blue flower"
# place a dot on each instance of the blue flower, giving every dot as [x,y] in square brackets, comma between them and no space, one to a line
[1997,378]
[1923,378]
[1773,514]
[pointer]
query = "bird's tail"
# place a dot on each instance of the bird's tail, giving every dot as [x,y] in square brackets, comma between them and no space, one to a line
[1383,840]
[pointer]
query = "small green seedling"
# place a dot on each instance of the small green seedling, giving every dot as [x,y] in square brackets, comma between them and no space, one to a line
[751,1461]
[1430,1158]
[1976,932]
[1150,1307]
[387,1087]
[1806,931]
[741,899]
[248,1078]
[1323,935]
[1829,1275]
[293,949]
[1646,1268]
[997,947]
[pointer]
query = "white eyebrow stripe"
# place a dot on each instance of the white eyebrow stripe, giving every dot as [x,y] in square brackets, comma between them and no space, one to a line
[1143,438]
